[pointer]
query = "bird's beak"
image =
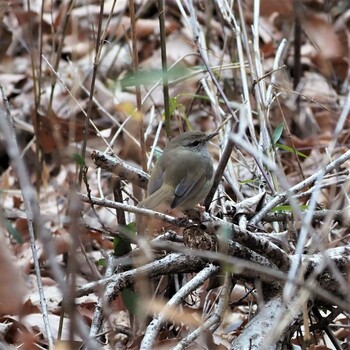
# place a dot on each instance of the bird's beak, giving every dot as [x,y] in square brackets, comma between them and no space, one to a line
[210,136]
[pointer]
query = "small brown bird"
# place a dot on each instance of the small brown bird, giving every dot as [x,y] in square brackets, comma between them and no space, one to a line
[183,175]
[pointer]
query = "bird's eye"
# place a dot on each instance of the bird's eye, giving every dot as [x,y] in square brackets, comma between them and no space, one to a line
[195,143]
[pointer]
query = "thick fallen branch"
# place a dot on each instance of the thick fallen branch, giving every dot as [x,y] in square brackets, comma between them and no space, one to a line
[257,243]
[260,327]
[120,168]
[318,284]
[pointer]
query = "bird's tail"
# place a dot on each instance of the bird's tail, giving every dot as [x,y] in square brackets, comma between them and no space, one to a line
[164,196]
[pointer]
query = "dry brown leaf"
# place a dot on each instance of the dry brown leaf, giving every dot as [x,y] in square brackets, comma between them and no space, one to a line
[322,33]
[316,87]
[331,46]
[144,27]
[25,256]
[13,287]
[5,39]
[10,81]
[326,120]
[239,292]
[36,323]
[319,347]
[76,46]
[21,225]
[63,241]
[306,145]
[186,316]
[269,7]
[57,132]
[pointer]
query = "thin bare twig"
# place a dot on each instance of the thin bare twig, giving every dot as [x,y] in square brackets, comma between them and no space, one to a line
[282,197]
[181,222]
[153,328]
[213,320]
[191,260]
[35,220]
[219,171]
[98,45]
[31,204]
[161,16]
[135,61]
[104,298]
[200,44]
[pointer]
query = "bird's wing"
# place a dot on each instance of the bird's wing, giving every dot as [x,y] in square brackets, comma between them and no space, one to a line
[189,186]
[156,180]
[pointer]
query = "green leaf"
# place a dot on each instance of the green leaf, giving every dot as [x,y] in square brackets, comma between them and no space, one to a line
[150,77]
[195,96]
[79,159]
[232,268]
[13,232]
[291,150]
[121,246]
[288,208]
[131,227]
[277,133]
[130,299]
[173,105]
[225,233]
[101,262]
[243,182]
